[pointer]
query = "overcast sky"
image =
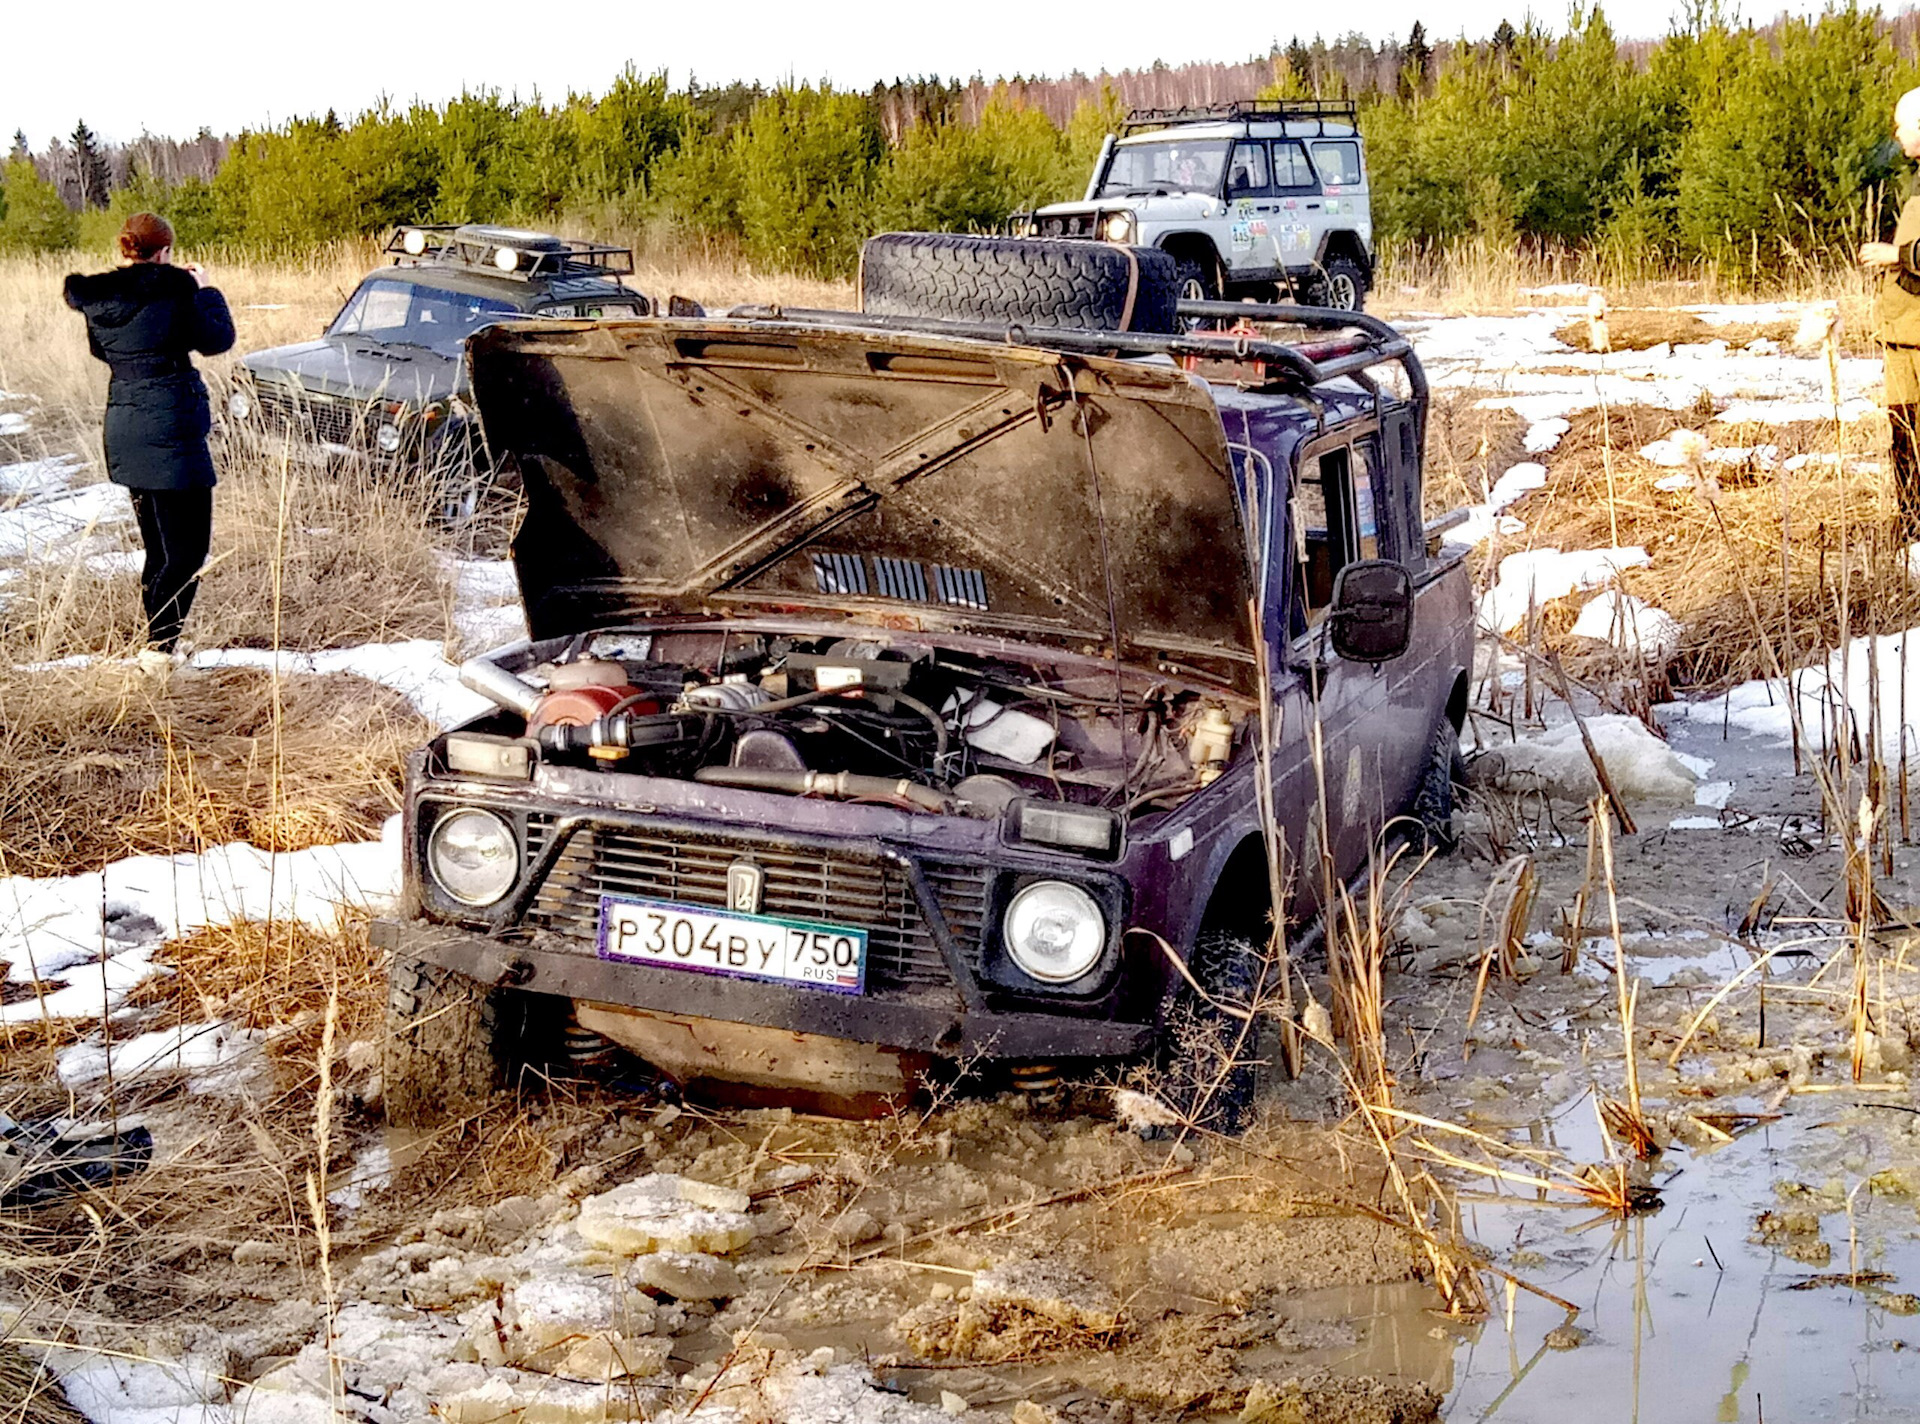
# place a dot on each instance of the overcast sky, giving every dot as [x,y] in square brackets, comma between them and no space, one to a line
[171,67]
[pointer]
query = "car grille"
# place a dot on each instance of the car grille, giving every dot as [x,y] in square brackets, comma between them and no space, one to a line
[1072,225]
[829,887]
[329,420]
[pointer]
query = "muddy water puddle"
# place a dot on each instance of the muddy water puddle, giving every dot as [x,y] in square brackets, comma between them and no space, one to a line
[1686,1318]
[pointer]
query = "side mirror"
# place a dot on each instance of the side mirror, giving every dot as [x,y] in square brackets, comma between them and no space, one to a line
[1371,617]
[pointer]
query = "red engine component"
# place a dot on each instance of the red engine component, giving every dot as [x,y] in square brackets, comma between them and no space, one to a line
[579,692]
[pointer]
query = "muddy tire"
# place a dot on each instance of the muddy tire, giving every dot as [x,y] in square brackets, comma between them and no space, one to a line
[1029,281]
[1342,285]
[1209,1058]
[1434,799]
[441,1055]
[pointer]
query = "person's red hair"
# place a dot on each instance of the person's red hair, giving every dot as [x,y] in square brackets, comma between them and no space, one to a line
[144,236]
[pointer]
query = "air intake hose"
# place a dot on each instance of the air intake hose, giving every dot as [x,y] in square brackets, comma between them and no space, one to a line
[841,785]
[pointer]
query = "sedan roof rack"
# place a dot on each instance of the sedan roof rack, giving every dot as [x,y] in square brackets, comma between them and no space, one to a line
[507,251]
[1248,110]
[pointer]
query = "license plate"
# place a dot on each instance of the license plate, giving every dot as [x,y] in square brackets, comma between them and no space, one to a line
[819,956]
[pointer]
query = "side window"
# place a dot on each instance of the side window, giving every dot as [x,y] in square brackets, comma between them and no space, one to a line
[1327,533]
[1339,162]
[1247,171]
[1291,171]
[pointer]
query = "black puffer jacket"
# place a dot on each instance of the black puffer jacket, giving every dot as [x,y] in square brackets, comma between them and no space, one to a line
[144,320]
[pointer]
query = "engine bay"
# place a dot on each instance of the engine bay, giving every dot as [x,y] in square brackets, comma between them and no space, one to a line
[916,725]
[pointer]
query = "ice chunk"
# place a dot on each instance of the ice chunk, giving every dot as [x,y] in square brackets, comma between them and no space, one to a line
[1673,484]
[1555,763]
[663,1212]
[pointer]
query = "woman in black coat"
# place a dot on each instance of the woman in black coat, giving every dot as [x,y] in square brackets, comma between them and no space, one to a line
[144,320]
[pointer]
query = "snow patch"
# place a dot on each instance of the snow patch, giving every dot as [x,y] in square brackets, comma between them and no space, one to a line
[1630,624]
[417,669]
[14,423]
[1537,576]
[204,1050]
[1543,436]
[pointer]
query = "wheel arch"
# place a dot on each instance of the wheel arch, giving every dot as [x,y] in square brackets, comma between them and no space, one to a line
[1192,246]
[1345,242]
[1240,902]
[1457,699]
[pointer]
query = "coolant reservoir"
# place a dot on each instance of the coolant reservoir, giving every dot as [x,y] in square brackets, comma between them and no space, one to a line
[1212,743]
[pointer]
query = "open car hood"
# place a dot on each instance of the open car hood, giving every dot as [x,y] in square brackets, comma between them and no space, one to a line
[897,480]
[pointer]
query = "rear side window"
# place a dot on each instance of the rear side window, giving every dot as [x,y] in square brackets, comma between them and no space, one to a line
[1338,161]
[1290,167]
[1247,170]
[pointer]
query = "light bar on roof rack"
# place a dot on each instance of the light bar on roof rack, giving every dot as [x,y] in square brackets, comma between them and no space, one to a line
[564,257]
[1249,110]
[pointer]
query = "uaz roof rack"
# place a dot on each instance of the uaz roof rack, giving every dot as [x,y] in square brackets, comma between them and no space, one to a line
[1248,110]
[508,252]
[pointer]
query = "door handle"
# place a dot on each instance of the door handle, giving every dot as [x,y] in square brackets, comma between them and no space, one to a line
[1313,207]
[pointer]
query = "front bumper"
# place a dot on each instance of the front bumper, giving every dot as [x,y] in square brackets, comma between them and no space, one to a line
[925,1020]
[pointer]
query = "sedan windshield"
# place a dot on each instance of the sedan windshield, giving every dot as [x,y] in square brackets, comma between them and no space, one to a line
[405,314]
[1170,167]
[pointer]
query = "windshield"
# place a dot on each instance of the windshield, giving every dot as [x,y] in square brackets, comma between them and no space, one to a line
[403,313]
[1175,166]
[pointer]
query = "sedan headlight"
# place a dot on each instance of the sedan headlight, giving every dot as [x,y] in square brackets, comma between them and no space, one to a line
[387,437]
[473,856]
[1054,931]
[1119,227]
[239,405]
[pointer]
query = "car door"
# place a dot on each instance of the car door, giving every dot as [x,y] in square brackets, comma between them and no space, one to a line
[1250,206]
[1334,520]
[1294,228]
[1343,186]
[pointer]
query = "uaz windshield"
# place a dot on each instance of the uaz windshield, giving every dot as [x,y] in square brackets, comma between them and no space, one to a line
[402,313]
[1171,167]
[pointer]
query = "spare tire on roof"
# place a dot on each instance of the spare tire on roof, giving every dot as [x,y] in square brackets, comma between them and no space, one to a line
[1028,281]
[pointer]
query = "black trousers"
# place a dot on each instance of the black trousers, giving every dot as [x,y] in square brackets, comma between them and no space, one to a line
[176,527]
[1906,468]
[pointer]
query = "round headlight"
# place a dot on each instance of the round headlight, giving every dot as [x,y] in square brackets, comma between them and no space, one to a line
[387,437]
[1119,228]
[239,405]
[414,243]
[473,856]
[1055,932]
[506,259]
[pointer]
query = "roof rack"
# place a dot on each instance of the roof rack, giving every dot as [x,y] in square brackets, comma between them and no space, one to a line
[508,252]
[1295,365]
[1248,110]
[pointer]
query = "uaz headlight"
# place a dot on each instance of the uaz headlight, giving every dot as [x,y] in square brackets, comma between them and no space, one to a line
[1054,931]
[1119,227]
[473,856]
[239,405]
[387,437]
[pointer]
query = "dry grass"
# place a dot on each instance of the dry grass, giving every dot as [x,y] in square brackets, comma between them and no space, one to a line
[98,762]
[29,1396]
[1707,542]
[1638,330]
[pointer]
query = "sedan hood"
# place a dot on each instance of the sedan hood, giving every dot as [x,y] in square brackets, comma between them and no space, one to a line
[359,370]
[913,482]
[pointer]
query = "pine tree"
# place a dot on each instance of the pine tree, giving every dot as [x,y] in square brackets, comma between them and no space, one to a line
[20,149]
[90,173]
[1300,61]
[1503,39]
[1419,57]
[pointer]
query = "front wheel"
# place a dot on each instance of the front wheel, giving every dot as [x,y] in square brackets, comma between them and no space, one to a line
[1438,793]
[442,1053]
[1195,282]
[1209,1053]
[1343,285]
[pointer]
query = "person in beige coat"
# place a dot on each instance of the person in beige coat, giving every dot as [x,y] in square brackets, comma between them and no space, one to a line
[1896,314]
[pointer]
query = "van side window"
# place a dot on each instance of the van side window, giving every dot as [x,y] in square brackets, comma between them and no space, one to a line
[1291,171]
[1247,171]
[1332,527]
